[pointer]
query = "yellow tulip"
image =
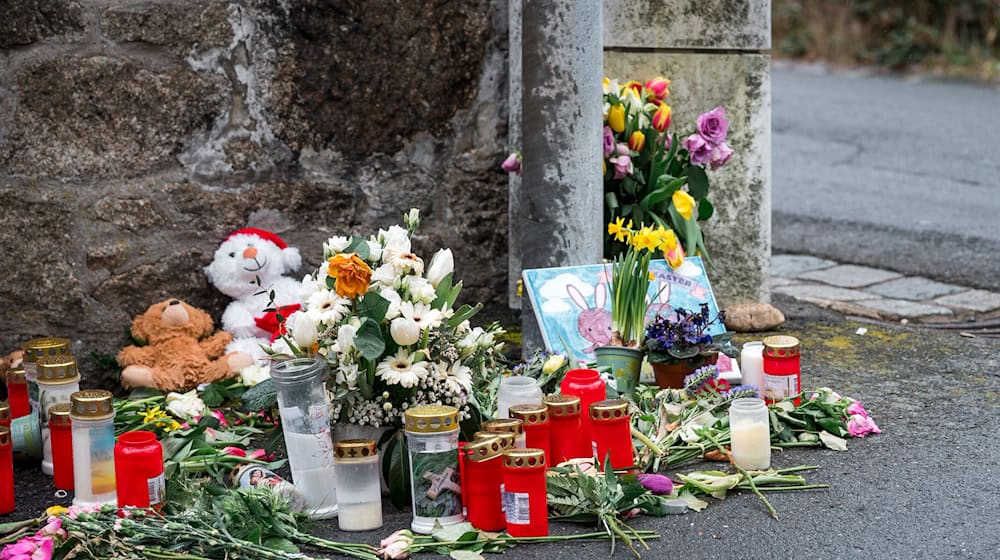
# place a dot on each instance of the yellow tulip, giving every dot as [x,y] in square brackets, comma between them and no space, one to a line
[616,118]
[636,141]
[684,204]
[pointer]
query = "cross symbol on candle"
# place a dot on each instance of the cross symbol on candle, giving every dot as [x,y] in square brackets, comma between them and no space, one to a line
[440,482]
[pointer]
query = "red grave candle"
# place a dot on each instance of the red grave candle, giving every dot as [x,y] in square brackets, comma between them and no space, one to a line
[17,393]
[564,415]
[782,373]
[483,464]
[588,385]
[6,472]
[525,501]
[139,469]
[5,414]
[537,428]
[612,433]
[61,436]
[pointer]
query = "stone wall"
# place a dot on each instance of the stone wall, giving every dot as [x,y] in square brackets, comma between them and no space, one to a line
[135,135]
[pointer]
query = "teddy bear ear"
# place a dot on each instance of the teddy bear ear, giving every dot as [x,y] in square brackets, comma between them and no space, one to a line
[292,259]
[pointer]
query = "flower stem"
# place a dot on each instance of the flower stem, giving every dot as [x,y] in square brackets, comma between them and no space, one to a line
[646,441]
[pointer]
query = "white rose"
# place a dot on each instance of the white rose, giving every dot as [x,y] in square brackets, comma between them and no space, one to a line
[385,275]
[442,264]
[408,262]
[374,250]
[404,331]
[345,338]
[334,245]
[302,329]
[395,242]
[185,405]
[252,375]
[420,290]
[347,374]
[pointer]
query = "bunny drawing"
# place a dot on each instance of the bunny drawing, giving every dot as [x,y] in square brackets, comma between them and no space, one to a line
[661,305]
[593,323]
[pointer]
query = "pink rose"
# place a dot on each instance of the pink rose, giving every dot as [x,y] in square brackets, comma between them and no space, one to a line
[699,148]
[860,426]
[512,164]
[856,408]
[720,156]
[623,166]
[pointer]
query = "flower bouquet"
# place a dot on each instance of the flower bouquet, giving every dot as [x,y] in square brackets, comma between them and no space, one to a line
[679,343]
[647,165]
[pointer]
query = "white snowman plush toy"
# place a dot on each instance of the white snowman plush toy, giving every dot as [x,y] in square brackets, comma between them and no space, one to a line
[248,266]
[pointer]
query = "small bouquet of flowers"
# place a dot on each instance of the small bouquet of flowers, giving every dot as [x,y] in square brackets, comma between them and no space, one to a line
[679,343]
[646,165]
[387,325]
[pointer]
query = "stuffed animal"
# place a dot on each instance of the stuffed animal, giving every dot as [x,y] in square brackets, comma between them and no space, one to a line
[248,266]
[180,353]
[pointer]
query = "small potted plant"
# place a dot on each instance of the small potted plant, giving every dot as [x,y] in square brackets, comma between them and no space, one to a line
[679,343]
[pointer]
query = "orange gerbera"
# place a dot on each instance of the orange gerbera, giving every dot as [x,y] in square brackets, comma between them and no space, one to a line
[352,274]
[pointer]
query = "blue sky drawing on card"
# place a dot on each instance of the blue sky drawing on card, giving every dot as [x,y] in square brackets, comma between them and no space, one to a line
[573,304]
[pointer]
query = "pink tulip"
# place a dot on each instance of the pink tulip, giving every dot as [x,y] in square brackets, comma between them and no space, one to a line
[234,451]
[221,418]
[512,164]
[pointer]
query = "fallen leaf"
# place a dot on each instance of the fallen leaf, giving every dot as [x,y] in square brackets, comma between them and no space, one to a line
[833,442]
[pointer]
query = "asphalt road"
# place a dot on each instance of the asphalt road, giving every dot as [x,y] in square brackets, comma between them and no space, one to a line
[891,172]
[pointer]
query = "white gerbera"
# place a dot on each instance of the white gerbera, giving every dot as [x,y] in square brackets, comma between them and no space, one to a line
[325,306]
[459,378]
[407,263]
[334,245]
[402,369]
[421,314]
[420,289]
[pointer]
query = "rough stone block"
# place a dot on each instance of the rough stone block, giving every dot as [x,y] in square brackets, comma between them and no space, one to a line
[23,22]
[181,25]
[739,234]
[902,309]
[818,291]
[913,288]
[702,24]
[850,276]
[101,117]
[973,300]
[790,266]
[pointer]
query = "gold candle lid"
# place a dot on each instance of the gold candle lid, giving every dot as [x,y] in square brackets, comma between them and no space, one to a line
[512,425]
[92,404]
[57,370]
[562,405]
[781,346]
[45,346]
[431,418]
[530,414]
[354,450]
[59,414]
[17,376]
[612,409]
[4,436]
[4,410]
[483,449]
[524,458]
[506,438]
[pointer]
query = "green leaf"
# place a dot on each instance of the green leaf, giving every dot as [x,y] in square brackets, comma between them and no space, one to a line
[398,478]
[442,292]
[464,313]
[697,182]
[281,545]
[833,442]
[705,210]
[369,340]
[373,306]
[262,396]
[214,395]
[835,427]
[359,247]
[610,201]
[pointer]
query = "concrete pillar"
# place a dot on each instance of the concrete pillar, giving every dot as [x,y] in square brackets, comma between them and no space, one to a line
[559,215]
[715,52]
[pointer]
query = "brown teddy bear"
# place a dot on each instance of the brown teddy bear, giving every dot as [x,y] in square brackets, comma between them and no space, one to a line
[181,352]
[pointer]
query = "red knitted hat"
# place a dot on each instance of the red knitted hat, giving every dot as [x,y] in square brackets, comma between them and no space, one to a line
[261,233]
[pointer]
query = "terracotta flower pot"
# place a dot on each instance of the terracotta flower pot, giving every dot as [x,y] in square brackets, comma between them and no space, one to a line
[670,375]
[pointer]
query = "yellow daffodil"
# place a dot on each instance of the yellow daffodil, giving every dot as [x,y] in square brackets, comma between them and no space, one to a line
[611,86]
[153,415]
[684,204]
[616,117]
[619,229]
[667,241]
[55,511]
[644,239]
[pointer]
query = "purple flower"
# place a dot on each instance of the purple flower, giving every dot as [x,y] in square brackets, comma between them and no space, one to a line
[743,391]
[623,165]
[701,376]
[512,164]
[720,156]
[699,148]
[658,484]
[713,126]
[622,149]
[609,141]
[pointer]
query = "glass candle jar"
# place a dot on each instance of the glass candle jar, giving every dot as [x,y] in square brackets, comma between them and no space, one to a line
[782,375]
[612,431]
[525,499]
[564,415]
[752,363]
[588,385]
[432,440]
[359,496]
[512,425]
[5,414]
[483,461]
[61,436]
[535,421]
[516,389]
[139,470]
[6,472]
[33,351]
[249,475]
[93,424]
[305,423]
[58,378]
[17,393]
[750,434]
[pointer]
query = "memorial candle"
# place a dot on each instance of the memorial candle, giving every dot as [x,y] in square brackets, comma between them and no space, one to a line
[6,472]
